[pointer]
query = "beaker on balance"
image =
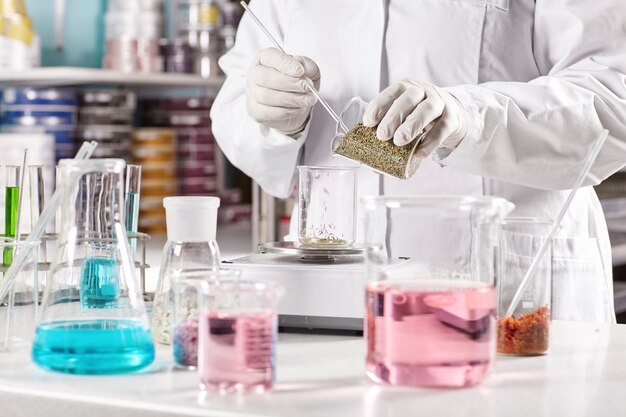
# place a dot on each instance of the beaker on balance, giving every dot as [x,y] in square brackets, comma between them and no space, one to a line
[93,319]
[327,206]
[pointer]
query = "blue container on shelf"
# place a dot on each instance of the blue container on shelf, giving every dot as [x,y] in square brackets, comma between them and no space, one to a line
[39,96]
[38,116]
[48,110]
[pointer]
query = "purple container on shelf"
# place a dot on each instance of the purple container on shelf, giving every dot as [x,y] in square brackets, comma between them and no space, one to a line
[178,56]
[197,169]
[177,118]
[197,155]
[199,186]
[177,104]
[204,137]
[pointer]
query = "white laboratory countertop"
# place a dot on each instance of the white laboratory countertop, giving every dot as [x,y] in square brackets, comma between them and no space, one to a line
[583,375]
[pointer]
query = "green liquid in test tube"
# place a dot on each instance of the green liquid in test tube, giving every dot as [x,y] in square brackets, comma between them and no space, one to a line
[12,197]
[133,185]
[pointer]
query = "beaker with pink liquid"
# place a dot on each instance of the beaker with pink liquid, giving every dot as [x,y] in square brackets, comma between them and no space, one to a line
[431,293]
[237,336]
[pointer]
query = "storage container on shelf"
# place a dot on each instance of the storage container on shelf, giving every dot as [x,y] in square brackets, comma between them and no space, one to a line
[108,98]
[155,150]
[178,56]
[132,37]
[19,45]
[47,110]
[106,116]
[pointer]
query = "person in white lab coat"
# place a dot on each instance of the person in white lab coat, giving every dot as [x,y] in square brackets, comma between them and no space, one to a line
[518,91]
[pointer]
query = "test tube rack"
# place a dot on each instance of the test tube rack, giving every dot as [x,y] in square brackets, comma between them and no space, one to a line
[140,240]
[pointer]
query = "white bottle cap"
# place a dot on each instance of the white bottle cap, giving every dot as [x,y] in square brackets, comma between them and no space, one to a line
[191,219]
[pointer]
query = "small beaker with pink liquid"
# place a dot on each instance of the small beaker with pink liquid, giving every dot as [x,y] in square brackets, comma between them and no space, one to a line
[431,297]
[237,336]
[189,292]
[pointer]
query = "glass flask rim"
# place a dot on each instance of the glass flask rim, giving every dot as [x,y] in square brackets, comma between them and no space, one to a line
[437,201]
[103,163]
[302,168]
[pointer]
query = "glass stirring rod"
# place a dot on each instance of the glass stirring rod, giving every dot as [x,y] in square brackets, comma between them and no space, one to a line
[316,93]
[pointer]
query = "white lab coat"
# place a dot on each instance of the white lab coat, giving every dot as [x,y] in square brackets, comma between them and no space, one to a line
[540,81]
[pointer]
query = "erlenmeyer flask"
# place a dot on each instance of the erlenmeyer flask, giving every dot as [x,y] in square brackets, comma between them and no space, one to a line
[93,318]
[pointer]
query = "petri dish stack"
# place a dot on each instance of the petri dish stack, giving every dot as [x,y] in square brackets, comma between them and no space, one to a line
[133,30]
[52,111]
[155,150]
[106,116]
[200,163]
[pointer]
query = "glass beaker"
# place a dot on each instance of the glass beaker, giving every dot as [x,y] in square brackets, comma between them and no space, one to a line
[431,296]
[527,331]
[93,317]
[327,206]
[18,311]
[189,293]
[238,331]
[191,246]
[360,144]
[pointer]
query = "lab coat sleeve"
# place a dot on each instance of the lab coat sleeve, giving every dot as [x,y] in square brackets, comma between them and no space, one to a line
[538,133]
[264,154]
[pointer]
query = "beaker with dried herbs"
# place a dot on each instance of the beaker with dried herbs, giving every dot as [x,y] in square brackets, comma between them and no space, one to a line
[360,144]
[327,206]
[527,330]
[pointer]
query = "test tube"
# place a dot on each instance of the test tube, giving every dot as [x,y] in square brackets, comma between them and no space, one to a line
[11,205]
[37,198]
[133,186]
[37,201]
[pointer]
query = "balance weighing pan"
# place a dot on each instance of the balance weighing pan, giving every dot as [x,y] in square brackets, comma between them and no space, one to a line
[295,252]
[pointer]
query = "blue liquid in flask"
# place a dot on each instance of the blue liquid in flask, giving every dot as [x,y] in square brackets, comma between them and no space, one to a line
[99,283]
[93,347]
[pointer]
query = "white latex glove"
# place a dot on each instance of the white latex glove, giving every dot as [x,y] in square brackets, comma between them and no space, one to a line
[405,109]
[276,92]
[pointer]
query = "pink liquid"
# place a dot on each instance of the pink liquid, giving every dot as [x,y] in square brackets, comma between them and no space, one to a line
[430,333]
[236,352]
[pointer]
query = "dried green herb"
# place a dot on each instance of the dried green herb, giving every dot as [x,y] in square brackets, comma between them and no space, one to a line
[361,144]
[323,235]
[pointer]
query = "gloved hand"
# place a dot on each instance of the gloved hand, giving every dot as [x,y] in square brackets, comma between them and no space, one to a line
[276,92]
[404,109]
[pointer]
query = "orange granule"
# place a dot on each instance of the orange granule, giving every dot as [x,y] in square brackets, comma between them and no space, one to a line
[527,335]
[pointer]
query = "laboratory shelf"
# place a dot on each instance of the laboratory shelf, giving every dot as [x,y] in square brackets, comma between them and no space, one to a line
[72,76]
[324,376]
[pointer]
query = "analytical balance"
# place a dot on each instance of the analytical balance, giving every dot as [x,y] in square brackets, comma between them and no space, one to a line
[325,287]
